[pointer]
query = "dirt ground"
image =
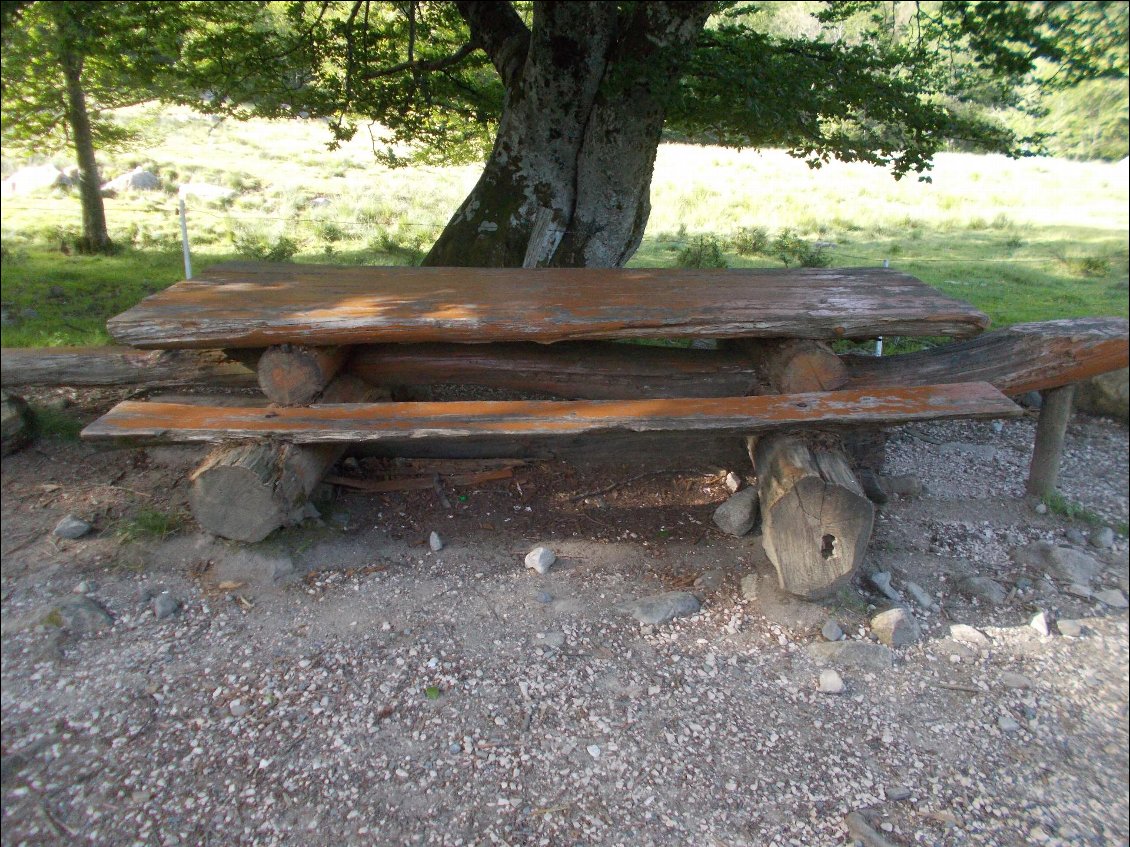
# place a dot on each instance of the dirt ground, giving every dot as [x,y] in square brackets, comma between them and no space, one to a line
[341,683]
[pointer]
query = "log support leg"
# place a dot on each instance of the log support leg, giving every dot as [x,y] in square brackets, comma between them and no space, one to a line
[1055,412]
[295,375]
[816,520]
[246,491]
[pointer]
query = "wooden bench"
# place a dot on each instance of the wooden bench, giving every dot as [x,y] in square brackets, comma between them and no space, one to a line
[326,335]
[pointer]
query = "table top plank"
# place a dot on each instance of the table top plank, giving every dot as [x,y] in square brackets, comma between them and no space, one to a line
[155,422]
[258,305]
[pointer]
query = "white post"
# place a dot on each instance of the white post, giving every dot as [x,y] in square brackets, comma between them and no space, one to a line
[879,340]
[184,241]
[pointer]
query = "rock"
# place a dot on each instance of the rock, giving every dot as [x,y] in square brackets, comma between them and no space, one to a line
[1008,724]
[951,648]
[831,682]
[1078,590]
[968,635]
[544,597]
[738,514]
[551,640]
[205,191]
[242,565]
[31,179]
[435,542]
[733,482]
[1009,679]
[783,608]
[858,654]
[897,792]
[710,581]
[1040,508]
[1105,394]
[1066,563]
[831,631]
[1031,400]
[238,708]
[919,594]
[1039,623]
[71,527]
[1102,537]
[1075,536]
[594,750]
[749,586]
[984,589]
[1112,597]
[895,627]
[164,606]
[872,487]
[15,423]
[540,559]
[138,179]
[1069,628]
[661,608]
[904,485]
[87,586]
[998,427]
[80,615]
[882,581]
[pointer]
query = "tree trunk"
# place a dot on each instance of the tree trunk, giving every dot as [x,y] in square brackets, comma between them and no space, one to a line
[95,238]
[568,181]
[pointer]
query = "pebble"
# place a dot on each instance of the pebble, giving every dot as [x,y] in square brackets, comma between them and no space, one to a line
[1066,563]
[1008,724]
[1078,590]
[897,792]
[164,606]
[1112,597]
[1041,508]
[749,585]
[435,542]
[919,594]
[738,514]
[831,682]
[1039,623]
[984,589]
[1010,679]
[733,482]
[710,581]
[87,586]
[895,628]
[238,708]
[968,634]
[82,615]
[859,654]
[544,597]
[1069,628]
[594,750]
[882,581]
[832,631]
[540,559]
[1075,536]
[72,528]
[660,608]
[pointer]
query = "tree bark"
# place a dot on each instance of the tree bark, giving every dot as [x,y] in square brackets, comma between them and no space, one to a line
[567,183]
[95,238]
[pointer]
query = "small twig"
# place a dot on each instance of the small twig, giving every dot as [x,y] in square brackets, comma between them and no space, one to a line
[954,686]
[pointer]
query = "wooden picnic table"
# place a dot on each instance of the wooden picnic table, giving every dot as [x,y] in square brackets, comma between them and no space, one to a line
[325,334]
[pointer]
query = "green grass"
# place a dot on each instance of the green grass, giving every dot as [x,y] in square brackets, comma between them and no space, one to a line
[48,422]
[1022,240]
[147,523]
[1060,505]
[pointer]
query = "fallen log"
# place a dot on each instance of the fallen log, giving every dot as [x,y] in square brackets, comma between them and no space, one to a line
[294,374]
[82,366]
[245,491]
[815,518]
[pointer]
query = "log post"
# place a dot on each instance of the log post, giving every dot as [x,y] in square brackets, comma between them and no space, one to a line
[816,520]
[1055,412]
[294,374]
[246,491]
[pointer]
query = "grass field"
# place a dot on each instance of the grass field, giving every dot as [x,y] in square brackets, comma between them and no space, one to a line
[1023,240]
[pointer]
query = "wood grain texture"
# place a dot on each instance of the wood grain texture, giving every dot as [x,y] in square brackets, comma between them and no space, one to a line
[1016,359]
[247,305]
[294,374]
[78,366]
[347,423]
[590,370]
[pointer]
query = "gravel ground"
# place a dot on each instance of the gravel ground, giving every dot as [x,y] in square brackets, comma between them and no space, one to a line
[349,686]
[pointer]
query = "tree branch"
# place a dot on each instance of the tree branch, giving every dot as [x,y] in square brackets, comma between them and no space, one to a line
[426,64]
[496,27]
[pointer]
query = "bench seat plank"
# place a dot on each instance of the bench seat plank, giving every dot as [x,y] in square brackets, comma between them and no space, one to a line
[366,422]
[259,305]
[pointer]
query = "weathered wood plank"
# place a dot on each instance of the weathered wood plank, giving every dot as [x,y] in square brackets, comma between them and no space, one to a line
[374,422]
[1016,359]
[79,366]
[590,370]
[261,306]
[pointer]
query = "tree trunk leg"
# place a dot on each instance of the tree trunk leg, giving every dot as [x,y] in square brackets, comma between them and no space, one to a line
[247,491]
[1055,412]
[294,374]
[816,520]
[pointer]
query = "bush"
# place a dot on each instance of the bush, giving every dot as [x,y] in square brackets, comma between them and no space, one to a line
[750,241]
[263,247]
[791,249]
[705,251]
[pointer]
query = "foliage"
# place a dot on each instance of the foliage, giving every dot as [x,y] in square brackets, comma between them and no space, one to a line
[148,523]
[704,251]
[53,422]
[751,241]
[252,244]
[791,249]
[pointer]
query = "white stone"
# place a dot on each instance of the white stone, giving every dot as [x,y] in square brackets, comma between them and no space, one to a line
[540,559]
[436,543]
[831,682]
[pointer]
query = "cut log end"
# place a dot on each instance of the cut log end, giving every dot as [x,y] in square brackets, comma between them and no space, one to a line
[235,502]
[294,375]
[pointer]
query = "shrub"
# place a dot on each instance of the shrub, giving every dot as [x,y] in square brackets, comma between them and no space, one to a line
[263,247]
[791,249]
[750,241]
[705,251]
